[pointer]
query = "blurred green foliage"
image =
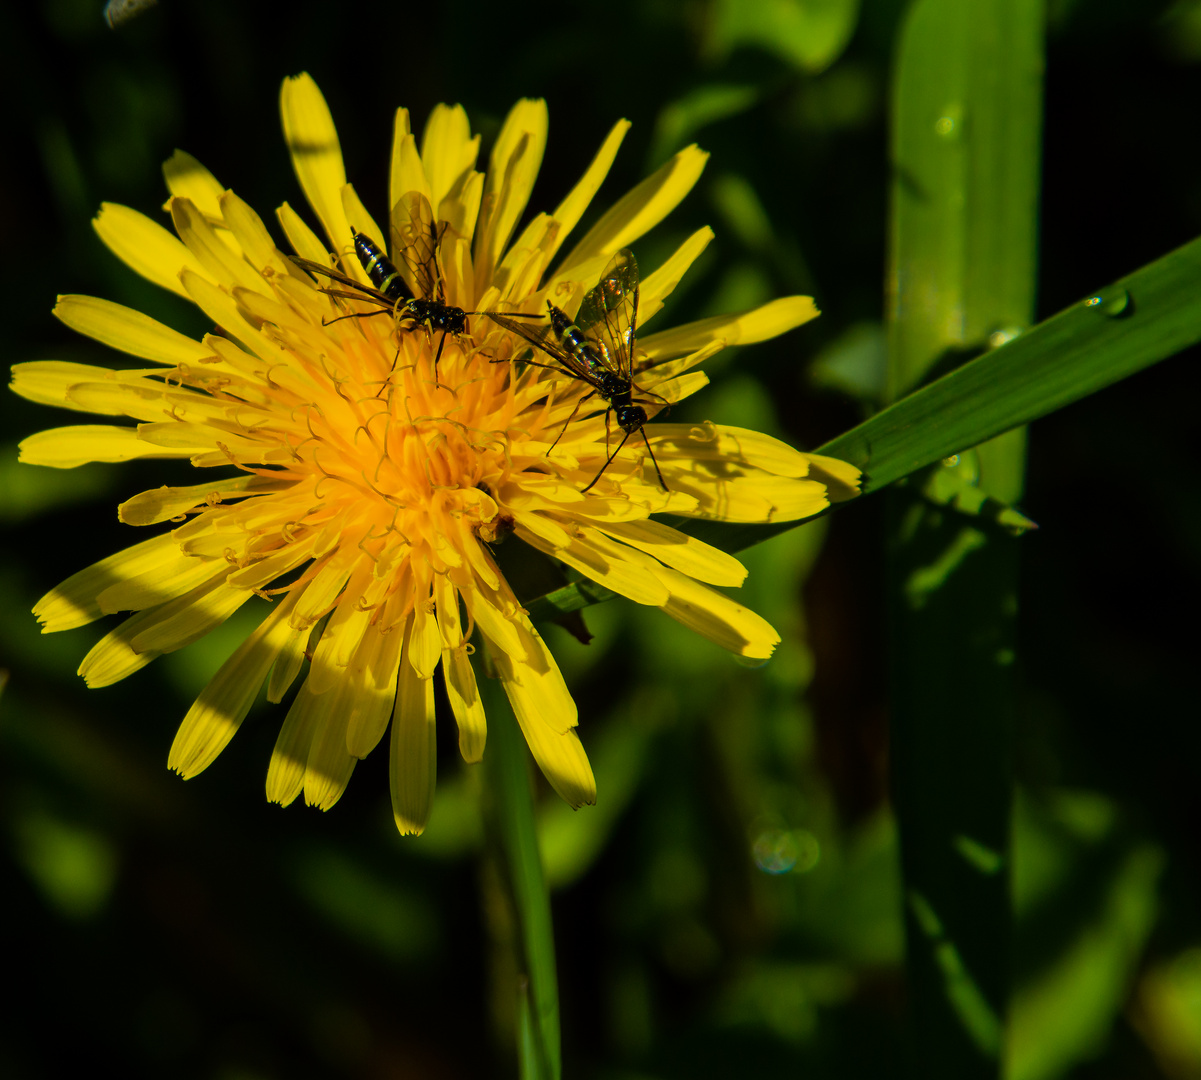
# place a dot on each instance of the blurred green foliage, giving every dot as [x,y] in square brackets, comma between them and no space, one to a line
[732,906]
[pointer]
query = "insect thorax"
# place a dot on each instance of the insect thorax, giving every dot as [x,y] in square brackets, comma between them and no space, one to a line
[436,316]
[613,387]
[630,417]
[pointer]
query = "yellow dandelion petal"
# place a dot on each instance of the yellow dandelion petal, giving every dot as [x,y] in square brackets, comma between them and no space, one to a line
[160,629]
[448,150]
[188,179]
[685,553]
[410,170]
[223,310]
[537,681]
[571,209]
[360,218]
[425,645]
[329,765]
[144,246]
[130,331]
[672,390]
[218,712]
[372,678]
[339,640]
[659,285]
[285,773]
[744,328]
[714,615]
[112,658]
[316,153]
[165,503]
[461,687]
[76,602]
[154,581]
[559,755]
[250,235]
[840,478]
[50,382]
[639,211]
[321,592]
[70,447]
[720,443]
[499,623]
[262,572]
[140,399]
[288,664]
[401,130]
[303,240]
[217,258]
[662,374]
[183,439]
[548,231]
[516,159]
[413,755]
[180,622]
[610,564]
[460,209]
[372,451]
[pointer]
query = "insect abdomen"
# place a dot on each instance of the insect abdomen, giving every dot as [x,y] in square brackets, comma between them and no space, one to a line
[383,274]
[574,341]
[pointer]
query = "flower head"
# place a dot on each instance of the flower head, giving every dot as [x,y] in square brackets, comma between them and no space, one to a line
[360,489]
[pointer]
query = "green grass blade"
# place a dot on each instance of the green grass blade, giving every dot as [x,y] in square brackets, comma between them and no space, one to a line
[508,766]
[1113,333]
[966,131]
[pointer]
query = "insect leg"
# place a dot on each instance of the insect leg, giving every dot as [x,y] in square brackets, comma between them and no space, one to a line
[658,471]
[569,420]
[610,462]
[395,360]
[528,363]
[438,355]
[356,315]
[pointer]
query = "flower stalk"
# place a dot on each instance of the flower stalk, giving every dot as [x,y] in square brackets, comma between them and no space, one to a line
[509,780]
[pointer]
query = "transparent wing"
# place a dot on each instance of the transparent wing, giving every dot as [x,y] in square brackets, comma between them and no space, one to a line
[415,246]
[540,337]
[359,291]
[609,312]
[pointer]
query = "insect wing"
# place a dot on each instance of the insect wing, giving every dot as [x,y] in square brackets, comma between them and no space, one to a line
[609,312]
[415,246]
[541,338]
[359,290]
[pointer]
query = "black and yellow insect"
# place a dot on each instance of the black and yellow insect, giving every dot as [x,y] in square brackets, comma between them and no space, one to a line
[598,349]
[417,239]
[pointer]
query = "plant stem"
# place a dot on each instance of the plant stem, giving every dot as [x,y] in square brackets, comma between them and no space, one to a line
[508,771]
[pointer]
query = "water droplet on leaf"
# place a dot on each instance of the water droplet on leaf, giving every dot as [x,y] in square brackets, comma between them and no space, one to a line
[1114,303]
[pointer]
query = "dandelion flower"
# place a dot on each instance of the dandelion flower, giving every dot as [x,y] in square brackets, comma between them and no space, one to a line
[359,494]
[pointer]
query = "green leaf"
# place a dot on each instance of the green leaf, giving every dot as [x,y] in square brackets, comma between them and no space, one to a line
[1086,893]
[955,483]
[966,130]
[809,34]
[1109,335]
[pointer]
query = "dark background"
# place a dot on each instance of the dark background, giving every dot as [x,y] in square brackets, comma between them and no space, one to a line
[731,906]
